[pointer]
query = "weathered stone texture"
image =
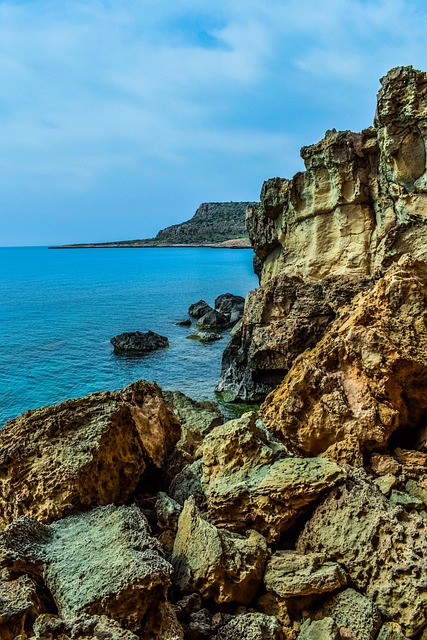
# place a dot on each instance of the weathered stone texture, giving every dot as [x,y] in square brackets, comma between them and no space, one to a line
[103,562]
[216,563]
[360,204]
[367,377]
[84,452]
[249,484]
[382,548]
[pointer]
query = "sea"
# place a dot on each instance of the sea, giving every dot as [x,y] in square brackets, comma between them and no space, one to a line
[59,309]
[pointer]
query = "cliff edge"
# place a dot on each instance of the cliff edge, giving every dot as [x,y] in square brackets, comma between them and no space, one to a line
[330,232]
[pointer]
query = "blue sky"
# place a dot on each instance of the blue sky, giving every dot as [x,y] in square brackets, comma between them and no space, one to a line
[118,117]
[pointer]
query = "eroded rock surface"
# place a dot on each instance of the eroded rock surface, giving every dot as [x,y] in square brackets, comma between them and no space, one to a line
[367,377]
[359,205]
[249,484]
[84,452]
[216,563]
[382,548]
[103,562]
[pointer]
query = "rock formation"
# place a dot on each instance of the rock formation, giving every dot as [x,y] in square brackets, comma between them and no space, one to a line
[137,343]
[140,515]
[328,233]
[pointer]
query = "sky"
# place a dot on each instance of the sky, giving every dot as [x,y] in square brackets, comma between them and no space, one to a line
[119,117]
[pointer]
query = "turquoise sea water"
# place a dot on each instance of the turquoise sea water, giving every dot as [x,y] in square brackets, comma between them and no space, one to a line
[59,309]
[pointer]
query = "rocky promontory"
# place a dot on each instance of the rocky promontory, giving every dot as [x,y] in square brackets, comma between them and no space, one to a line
[220,225]
[141,515]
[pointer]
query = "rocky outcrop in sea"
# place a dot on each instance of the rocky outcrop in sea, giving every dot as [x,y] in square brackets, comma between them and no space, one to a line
[140,514]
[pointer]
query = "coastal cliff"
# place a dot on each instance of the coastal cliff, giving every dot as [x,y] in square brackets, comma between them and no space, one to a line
[140,515]
[214,224]
[330,232]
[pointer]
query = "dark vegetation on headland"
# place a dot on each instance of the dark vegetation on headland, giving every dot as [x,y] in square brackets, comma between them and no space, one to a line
[215,224]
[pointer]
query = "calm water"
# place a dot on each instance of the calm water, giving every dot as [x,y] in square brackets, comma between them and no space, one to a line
[59,309]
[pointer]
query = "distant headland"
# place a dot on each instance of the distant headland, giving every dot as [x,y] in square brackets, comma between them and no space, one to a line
[220,225]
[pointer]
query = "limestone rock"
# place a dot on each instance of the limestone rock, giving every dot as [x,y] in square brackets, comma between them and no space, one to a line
[383,465]
[248,483]
[84,452]
[391,631]
[167,511]
[252,626]
[20,605]
[197,420]
[216,563]
[354,612]
[385,483]
[137,343]
[382,548]
[289,574]
[103,562]
[325,629]
[50,627]
[357,208]
[366,377]
[281,320]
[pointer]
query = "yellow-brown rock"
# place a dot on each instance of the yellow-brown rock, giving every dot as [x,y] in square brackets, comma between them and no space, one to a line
[249,482]
[382,547]
[358,207]
[84,452]
[367,377]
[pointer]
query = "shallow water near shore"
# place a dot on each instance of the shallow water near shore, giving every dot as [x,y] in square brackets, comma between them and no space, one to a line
[59,309]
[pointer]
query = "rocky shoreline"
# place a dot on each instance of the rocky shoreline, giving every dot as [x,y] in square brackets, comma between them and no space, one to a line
[140,514]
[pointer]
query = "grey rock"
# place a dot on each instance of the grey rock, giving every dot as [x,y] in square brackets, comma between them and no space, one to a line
[252,626]
[188,483]
[289,574]
[325,629]
[351,610]
[199,309]
[213,320]
[137,343]
[185,322]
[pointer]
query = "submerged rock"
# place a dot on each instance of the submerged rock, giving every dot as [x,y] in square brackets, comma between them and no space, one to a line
[137,343]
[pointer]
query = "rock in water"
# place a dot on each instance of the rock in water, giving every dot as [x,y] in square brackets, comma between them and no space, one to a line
[136,343]
[367,377]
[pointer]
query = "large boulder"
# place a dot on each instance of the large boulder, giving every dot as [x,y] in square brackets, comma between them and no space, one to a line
[103,562]
[252,626]
[199,309]
[367,377]
[84,452]
[382,548]
[216,563]
[137,343]
[248,482]
[231,306]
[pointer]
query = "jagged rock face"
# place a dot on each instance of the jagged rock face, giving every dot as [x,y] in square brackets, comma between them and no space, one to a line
[20,605]
[103,562]
[83,452]
[248,483]
[357,208]
[281,319]
[216,563]
[382,548]
[367,377]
